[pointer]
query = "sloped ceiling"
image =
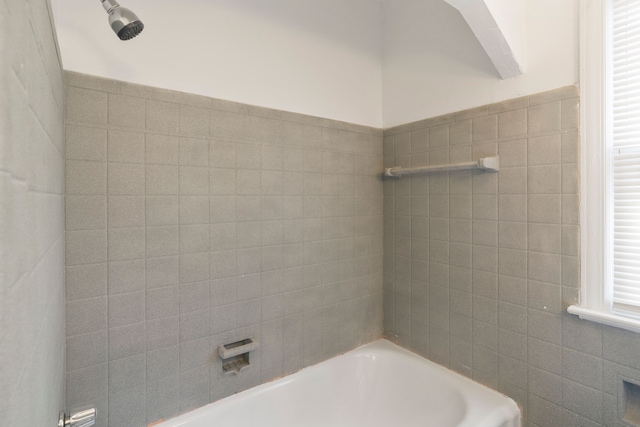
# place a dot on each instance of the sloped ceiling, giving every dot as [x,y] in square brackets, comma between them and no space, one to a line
[491,35]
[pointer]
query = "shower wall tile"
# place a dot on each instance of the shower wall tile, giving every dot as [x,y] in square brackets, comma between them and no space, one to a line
[196,222]
[162,117]
[161,180]
[126,211]
[86,247]
[126,341]
[127,147]
[126,112]
[87,350]
[84,177]
[86,281]
[161,149]
[84,316]
[128,407]
[194,121]
[85,143]
[87,384]
[126,276]
[86,212]
[85,106]
[504,252]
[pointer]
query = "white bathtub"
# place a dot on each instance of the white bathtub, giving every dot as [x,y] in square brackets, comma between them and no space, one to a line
[376,385]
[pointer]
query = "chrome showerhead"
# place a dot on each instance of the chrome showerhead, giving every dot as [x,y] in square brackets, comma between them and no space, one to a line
[124,22]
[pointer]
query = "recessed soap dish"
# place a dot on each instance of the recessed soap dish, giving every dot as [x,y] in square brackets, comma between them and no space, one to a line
[631,403]
[235,355]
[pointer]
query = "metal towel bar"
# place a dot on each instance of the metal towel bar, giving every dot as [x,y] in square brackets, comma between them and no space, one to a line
[489,164]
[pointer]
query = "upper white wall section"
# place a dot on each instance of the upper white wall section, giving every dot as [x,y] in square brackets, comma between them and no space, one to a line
[314,57]
[433,64]
[326,58]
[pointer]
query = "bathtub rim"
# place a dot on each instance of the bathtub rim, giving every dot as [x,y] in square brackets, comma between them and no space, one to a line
[505,410]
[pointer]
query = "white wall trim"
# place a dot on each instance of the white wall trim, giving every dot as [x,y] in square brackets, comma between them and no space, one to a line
[592,188]
[623,322]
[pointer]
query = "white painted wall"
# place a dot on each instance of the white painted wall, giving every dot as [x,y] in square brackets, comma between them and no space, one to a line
[315,57]
[433,64]
[350,60]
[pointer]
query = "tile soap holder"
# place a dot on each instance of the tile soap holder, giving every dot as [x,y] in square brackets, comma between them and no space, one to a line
[630,413]
[235,356]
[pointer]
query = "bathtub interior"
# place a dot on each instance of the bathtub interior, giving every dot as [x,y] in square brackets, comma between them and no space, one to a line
[376,385]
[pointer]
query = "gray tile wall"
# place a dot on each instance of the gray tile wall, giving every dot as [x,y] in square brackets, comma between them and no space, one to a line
[31,216]
[480,267]
[193,222]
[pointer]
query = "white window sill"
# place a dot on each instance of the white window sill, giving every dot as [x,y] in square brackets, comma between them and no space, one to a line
[605,318]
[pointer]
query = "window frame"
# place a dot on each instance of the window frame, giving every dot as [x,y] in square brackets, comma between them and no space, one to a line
[596,294]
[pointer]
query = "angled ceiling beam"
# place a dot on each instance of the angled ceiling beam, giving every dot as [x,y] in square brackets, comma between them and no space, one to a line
[490,35]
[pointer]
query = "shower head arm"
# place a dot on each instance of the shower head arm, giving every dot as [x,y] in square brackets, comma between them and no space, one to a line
[109,5]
